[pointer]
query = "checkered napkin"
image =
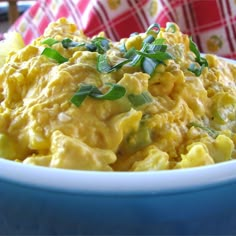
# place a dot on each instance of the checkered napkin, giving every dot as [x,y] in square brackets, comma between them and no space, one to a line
[212,23]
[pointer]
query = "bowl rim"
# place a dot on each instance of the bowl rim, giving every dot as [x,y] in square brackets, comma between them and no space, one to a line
[161,182]
[164,181]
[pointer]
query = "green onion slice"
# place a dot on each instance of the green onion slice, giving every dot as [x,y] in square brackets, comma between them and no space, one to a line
[160,56]
[101,43]
[54,54]
[116,91]
[104,67]
[149,39]
[91,47]
[149,65]
[140,99]
[68,43]
[50,41]
[213,133]
[195,69]
[159,41]
[170,27]
[193,47]
[154,27]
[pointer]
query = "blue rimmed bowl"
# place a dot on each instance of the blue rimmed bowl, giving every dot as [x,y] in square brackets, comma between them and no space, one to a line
[39,200]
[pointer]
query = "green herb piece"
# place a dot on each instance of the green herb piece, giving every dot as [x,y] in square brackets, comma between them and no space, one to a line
[115,92]
[195,69]
[170,27]
[141,99]
[81,94]
[160,56]
[91,47]
[104,67]
[50,41]
[200,60]
[159,41]
[123,48]
[213,133]
[193,47]
[149,65]
[149,39]
[154,28]
[54,54]
[131,53]
[68,43]
[102,44]
[138,57]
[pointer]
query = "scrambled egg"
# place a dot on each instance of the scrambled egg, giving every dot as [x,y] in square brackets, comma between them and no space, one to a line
[177,109]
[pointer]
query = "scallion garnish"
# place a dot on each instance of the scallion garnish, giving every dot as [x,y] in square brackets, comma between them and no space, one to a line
[68,43]
[50,41]
[195,69]
[102,44]
[104,67]
[154,28]
[123,48]
[213,133]
[140,99]
[170,27]
[160,56]
[54,54]
[149,65]
[149,39]
[115,92]
[200,60]
[91,47]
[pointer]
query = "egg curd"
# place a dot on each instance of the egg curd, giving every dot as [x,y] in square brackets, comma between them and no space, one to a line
[147,102]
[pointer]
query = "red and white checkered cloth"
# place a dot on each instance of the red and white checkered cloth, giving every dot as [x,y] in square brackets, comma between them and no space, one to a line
[212,23]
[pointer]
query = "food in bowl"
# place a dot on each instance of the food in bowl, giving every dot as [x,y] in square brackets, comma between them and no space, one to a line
[147,102]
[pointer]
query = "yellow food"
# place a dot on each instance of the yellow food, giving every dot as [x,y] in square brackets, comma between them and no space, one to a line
[13,42]
[186,119]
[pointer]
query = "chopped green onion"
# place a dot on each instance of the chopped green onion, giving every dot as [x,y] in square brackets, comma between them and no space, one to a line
[102,44]
[104,67]
[160,56]
[149,65]
[195,69]
[54,54]
[50,41]
[115,92]
[193,47]
[156,48]
[152,27]
[213,133]
[68,43]
[138,57]
[141,99]
[123,48]
[149,39]
[200,60]
[170,27]
[159,41]
[131,53]
[81,94]
[91,47]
